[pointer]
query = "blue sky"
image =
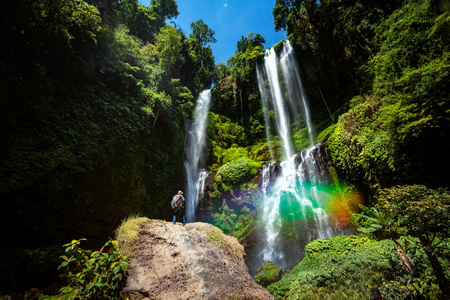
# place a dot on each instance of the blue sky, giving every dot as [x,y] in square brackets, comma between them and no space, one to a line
[230,19]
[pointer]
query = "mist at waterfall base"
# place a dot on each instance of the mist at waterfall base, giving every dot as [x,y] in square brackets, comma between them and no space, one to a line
[300,201]
[291,218]
[195,142]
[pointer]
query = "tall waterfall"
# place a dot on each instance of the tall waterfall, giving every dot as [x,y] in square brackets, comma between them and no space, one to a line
[195,143]
[293,204]
[294,86]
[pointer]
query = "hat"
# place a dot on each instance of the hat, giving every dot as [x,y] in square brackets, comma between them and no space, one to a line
[180,193]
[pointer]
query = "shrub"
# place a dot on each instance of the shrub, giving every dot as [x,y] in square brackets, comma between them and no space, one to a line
[96,275]
[339,268]
[234,153]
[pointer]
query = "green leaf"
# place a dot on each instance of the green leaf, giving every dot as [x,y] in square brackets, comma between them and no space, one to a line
[116,269]
[90,262]
[124,265]
[367,230]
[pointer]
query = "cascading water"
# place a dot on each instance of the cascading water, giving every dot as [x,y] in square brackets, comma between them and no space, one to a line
[294,86]
[293,204]
[282,120]
[194,147]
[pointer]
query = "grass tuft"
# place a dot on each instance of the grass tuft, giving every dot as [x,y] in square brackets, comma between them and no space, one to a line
[128,232]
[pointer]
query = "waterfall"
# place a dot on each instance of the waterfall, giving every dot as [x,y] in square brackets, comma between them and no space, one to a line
[293,202]
[195,143]
[282,120]
[293,82]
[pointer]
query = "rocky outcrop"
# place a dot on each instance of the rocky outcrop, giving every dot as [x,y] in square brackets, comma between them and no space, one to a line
[196,261]
[319,157]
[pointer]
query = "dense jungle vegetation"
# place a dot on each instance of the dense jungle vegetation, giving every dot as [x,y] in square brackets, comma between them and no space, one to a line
[94,96]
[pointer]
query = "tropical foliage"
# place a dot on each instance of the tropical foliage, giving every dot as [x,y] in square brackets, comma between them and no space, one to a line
[235,94]
[90,93]
[349,267]
[408,105]
[268,274]
[96,275]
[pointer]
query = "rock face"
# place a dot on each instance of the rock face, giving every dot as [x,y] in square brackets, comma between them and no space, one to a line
[203,212]
[196,261]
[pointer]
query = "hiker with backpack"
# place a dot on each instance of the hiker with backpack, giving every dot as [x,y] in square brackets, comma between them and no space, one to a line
[178,206]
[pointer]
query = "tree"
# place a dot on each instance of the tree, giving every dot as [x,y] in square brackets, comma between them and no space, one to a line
[421,213]
[283,11]
[201,36]
[164,9]
[168,46]
[200,53]
[251,41]
[202,33]
[144,21]
[236,85]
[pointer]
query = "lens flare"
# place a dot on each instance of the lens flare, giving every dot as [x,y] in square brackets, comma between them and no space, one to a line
[336,201]
[342,204]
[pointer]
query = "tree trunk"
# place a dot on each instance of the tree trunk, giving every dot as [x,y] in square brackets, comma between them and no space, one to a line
[437,269]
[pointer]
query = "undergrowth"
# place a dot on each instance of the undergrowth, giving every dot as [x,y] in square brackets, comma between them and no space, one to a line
[345,267]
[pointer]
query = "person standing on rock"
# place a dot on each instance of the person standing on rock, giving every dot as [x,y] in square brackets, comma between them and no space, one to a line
[178,206]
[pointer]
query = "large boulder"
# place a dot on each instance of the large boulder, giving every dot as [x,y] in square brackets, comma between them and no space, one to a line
[196,261]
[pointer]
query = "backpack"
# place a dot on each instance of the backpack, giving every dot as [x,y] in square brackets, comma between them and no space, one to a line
[177,202]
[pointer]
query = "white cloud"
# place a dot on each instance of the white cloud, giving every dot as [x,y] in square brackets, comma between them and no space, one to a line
[226,5]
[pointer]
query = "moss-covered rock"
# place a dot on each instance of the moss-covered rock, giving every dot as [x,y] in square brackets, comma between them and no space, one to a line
[269,273]
[234,173]
[348,267]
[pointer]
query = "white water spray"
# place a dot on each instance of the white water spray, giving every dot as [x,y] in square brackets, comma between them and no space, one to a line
[194,147]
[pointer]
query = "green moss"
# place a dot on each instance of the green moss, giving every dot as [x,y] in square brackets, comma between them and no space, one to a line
[215,236]
[235,197]
[334,175]
[233,153]
[342,267]
[269,273]
[261,152]
[234,173]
